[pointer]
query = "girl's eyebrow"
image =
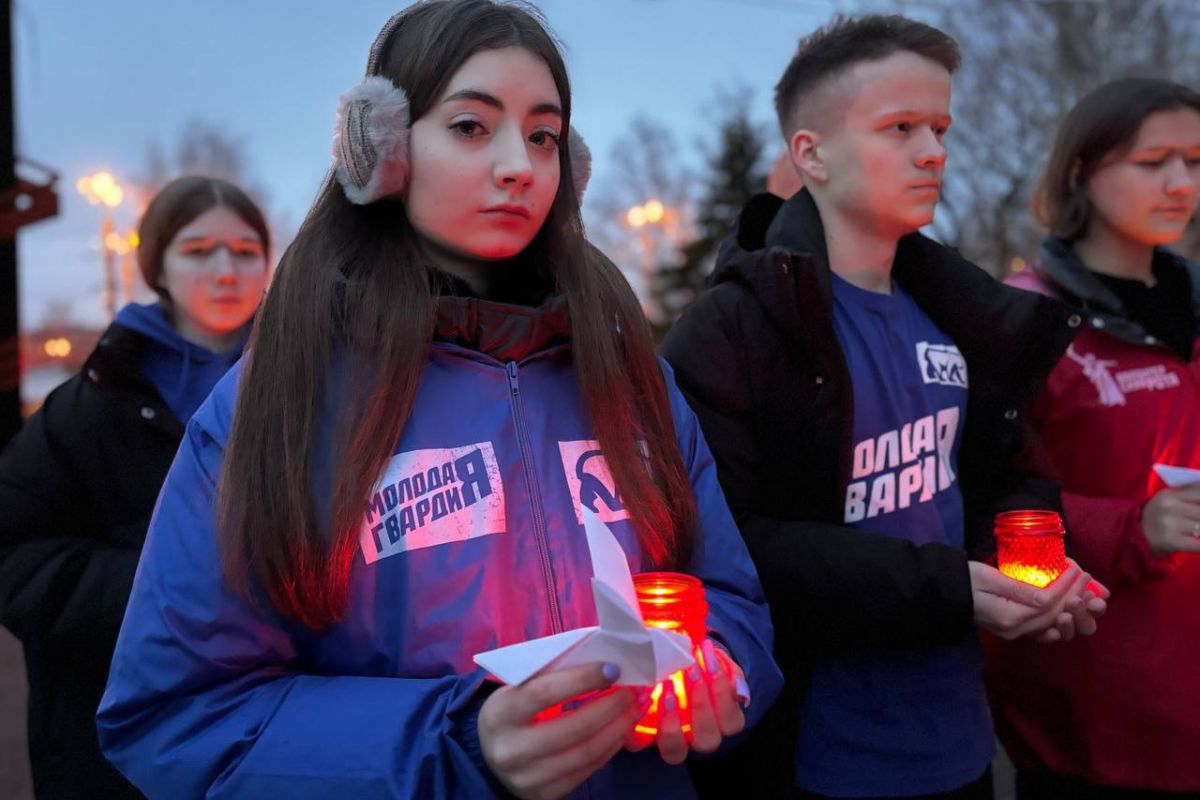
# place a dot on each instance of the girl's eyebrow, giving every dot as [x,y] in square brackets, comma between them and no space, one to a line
[1165,148]
[196,237]
[493,101]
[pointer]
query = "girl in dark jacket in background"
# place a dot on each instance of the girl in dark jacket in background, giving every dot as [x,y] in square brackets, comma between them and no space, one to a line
[79,481]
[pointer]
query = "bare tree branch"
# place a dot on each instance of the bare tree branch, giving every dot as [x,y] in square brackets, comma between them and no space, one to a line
[1025,63]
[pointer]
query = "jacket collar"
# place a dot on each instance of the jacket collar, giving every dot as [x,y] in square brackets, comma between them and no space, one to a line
[503,331]
[1058,264]
[114,364]
[777,251]
[779,262]
[117,355]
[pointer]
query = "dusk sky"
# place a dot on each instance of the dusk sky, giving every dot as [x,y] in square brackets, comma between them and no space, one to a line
[98,82]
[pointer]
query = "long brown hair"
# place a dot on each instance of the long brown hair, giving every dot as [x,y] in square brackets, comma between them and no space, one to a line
[1104,122]
[355,277]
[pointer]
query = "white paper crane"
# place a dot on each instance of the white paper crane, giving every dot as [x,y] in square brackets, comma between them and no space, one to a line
[645,655]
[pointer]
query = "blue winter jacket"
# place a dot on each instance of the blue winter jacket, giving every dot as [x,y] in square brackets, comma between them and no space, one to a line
[471,541]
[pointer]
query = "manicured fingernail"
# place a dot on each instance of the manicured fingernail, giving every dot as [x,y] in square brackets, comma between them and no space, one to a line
[610,672]
[669,701]
[693,673]
[710,658]
[643,695]
[742,690]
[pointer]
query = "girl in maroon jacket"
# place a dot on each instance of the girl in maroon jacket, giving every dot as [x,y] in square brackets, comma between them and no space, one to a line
[1120,709]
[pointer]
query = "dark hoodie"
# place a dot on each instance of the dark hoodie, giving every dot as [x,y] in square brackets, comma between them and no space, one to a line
[759,359]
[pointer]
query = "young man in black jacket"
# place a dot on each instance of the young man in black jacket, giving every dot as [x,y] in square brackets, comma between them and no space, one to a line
[862,388]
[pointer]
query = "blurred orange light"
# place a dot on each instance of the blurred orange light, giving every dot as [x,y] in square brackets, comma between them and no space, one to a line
[115,242]
[101,187]
[121,243]
[59,347]
[653,211]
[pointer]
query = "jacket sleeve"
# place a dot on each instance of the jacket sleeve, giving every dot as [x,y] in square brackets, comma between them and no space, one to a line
[738,616]
[61,583]
[1105,534]
[829,586]
[207,696]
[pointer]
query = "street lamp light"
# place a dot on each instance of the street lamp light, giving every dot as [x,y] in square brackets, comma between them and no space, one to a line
[124,245]
[654,211]
[102,189]
[58,347]
[644,218]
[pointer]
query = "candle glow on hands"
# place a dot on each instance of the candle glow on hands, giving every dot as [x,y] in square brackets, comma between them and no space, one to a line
[674,602]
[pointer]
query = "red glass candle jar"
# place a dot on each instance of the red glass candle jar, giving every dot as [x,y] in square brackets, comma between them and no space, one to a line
[674,602]
[1029,546]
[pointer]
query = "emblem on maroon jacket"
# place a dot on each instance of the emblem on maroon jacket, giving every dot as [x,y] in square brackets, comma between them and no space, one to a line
[1112,387]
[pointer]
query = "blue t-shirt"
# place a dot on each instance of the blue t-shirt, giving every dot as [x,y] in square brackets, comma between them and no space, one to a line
[899,722]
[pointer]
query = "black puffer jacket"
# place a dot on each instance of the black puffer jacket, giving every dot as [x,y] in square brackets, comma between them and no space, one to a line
[758,358]
[77,486]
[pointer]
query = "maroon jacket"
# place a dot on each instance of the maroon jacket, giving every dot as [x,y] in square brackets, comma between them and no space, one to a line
[1122,707]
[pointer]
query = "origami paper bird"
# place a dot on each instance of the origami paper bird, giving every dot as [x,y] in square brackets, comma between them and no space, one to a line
[645,655]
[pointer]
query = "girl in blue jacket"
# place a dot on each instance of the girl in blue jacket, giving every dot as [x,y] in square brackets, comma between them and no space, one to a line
[443,376]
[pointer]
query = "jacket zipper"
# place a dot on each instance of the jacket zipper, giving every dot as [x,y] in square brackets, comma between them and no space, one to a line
[535,498]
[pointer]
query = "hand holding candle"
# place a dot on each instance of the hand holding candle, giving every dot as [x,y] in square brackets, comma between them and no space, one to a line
[1037,589]
[1010,608]
[697,707]
[714,710]
[652,631]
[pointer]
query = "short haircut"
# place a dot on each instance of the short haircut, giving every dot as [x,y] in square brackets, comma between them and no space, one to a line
[830,51]
[1104,122]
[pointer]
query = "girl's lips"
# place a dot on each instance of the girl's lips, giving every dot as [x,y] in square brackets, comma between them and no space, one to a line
[507,209]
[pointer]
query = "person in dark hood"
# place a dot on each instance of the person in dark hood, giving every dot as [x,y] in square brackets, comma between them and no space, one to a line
[79,480]
[1122,182]
[863,389]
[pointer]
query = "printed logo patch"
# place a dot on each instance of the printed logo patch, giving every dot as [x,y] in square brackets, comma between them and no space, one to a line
[1112,387]
[590,481]
[942,363]
[902,467]
[432,497]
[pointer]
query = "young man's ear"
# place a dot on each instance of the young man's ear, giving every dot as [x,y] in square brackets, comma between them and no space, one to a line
[804,148]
